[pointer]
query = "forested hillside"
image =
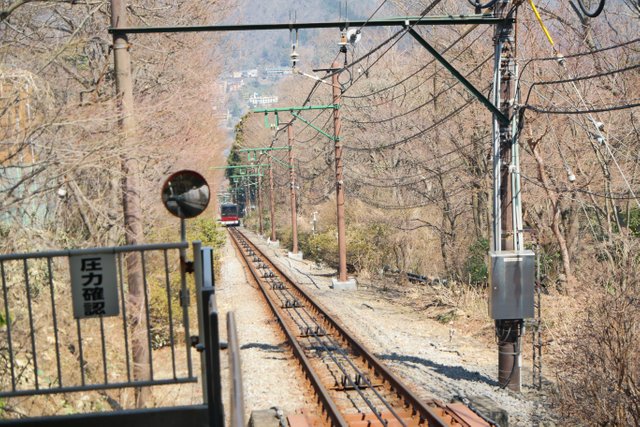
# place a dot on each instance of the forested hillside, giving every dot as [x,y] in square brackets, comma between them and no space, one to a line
[417,153]
[61,152]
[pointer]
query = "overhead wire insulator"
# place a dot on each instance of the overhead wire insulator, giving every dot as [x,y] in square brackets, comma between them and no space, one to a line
[294,54]
[343,41]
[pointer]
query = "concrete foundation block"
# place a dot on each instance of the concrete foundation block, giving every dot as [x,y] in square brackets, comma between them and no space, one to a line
[296,256]
[264,418]
[349,285]
[273,243]
[489,409]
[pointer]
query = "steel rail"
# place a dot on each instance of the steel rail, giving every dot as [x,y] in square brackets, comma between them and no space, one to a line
[339,356]
[333,349]
[437,416]
[328,405]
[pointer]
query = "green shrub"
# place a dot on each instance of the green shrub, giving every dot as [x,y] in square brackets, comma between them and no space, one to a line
[476,266]
[208,231]
[366,246]
[211,234]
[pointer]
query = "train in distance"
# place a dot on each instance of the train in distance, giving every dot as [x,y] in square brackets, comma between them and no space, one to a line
[229,214]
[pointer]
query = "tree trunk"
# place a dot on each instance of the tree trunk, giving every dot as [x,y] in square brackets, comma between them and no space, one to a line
[555,200]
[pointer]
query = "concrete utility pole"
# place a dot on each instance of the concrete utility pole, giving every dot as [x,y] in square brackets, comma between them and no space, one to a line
[247,198]
[130,199]
[260,221]
[272,203]
[292,180]
[507,209]
[337,124]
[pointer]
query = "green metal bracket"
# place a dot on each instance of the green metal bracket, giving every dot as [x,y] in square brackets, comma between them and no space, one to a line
[308,123]
[291,110]
[245,176]
[237,166]
[263,149]
[283,164]
[474,91]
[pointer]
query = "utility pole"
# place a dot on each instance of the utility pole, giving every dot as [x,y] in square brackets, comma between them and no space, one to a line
[292,180]
[247,197]
[130,199]
[260,221]
[337,124]
[272,204]
[507,226]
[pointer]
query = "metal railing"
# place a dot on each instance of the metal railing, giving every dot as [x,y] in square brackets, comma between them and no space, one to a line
[45,348]
[56,340]
[236,392]
[210,345]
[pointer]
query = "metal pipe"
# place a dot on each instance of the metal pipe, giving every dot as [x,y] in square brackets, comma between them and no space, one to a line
[90,387]
[237,394]
[7,317]
[147,311]
[124,317]
[202,319]
[91,251]
[388,22]
[212,353]
[32,331]
[54,316]
[170,313]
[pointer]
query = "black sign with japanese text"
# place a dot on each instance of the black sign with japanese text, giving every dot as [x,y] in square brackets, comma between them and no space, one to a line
[94,285]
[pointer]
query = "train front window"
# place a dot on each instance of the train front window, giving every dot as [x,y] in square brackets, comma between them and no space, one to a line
[229,211]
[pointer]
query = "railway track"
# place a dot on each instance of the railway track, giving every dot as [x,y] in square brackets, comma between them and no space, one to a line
[352,386]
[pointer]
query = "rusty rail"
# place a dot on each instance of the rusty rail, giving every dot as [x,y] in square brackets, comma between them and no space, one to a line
[327,403]
[435,414]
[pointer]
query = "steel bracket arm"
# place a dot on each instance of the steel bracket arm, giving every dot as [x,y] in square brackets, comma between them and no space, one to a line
[280,162]
[302,119]
[237,167]
[470,87]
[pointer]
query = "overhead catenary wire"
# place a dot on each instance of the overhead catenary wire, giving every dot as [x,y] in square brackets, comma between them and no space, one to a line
[589,112]
[423,104]
[422,68]
[418,134]
[400,33]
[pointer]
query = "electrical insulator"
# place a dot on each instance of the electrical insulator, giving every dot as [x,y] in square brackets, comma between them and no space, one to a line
[294,56]
[343,41]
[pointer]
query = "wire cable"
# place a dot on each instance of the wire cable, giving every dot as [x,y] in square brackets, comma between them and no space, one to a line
[402,141]
[425,103]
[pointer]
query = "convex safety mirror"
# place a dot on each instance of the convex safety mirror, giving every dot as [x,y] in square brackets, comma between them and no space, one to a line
[185,194]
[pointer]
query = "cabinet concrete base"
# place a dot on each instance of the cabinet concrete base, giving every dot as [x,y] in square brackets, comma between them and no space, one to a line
[296,256]
[349,285]
[273,243]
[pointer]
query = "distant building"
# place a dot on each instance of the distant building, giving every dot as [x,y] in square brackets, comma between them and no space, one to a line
[277,71]
[252,74]
[256,100]
[234,85]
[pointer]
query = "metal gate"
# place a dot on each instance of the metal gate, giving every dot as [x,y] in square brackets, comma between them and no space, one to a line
[44,349]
